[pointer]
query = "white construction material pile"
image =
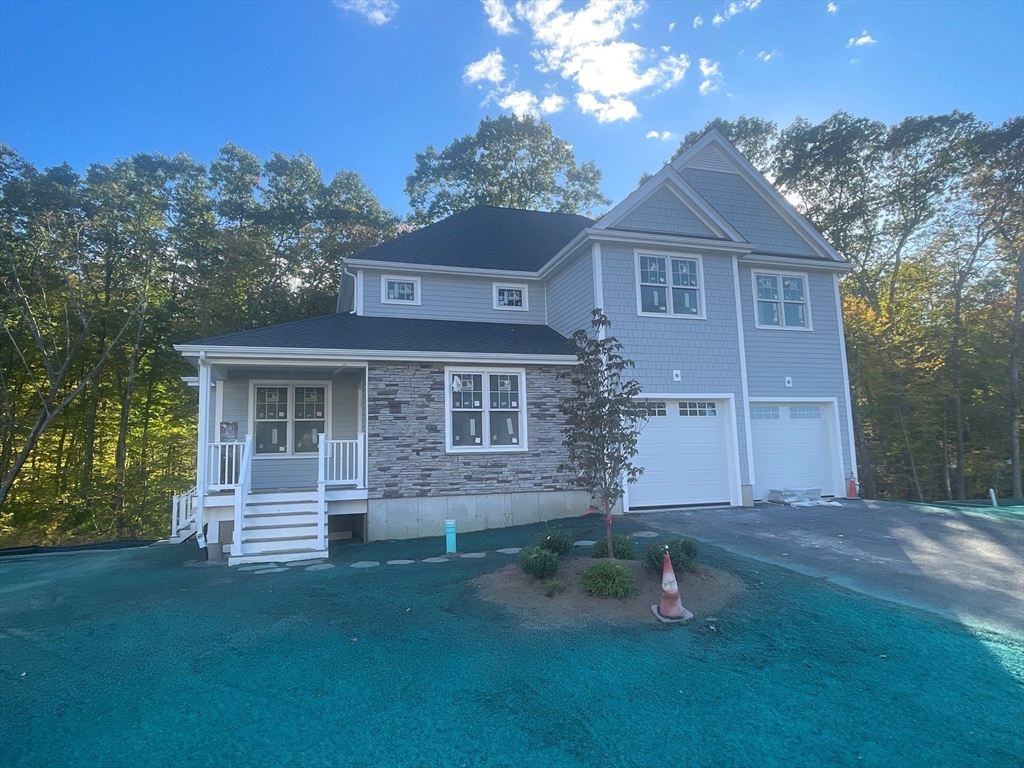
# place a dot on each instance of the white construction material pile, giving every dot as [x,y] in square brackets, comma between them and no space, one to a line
[799,497]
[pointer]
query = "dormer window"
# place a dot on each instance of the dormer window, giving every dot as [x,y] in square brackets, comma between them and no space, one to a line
[514,296]
[399,290]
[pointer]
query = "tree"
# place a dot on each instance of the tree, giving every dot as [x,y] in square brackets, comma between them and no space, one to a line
[753,136]
[602,418]
[510,162]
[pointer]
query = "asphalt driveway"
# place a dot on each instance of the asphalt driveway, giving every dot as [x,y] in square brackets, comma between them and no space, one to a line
[966,566]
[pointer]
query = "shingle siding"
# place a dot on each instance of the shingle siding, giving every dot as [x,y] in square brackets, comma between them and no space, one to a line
[406,438]
[664,212]
[450,297]
[570,296]
[747,211]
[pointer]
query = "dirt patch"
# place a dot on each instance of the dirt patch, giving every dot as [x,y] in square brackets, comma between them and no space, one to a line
[703,593]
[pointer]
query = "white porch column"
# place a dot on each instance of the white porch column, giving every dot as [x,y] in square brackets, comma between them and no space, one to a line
[202,448]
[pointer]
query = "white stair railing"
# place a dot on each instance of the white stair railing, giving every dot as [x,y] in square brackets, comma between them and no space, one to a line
[242,493]
[225,465]
[341,461]
[183,511]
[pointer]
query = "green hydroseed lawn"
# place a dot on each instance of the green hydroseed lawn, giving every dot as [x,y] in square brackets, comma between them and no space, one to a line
[131,659]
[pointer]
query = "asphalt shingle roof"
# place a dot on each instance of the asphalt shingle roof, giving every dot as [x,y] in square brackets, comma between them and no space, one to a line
[485,237]
[399,334]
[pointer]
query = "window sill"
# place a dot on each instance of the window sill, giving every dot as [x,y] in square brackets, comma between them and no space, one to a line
[781,328]
[471,451]
[511,309]
[666,316]
[265,456]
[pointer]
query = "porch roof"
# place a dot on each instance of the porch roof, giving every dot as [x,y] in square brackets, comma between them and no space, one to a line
[359,333]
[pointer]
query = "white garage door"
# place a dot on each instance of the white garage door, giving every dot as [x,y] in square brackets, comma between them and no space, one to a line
[792,447]
[682,449]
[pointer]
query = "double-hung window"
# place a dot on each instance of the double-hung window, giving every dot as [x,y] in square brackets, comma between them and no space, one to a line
[781,300]
[399,290]
[486,410]
[288,419]
[669,285]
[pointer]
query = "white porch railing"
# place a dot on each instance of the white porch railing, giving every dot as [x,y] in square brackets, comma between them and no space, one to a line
[339,462]
[242,493]
[225,465]
[183,511]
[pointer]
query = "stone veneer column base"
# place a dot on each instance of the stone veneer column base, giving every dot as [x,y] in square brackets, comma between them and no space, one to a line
[421,516]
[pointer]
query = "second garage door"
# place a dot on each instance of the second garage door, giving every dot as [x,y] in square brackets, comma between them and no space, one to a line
[682,449]
[793,447]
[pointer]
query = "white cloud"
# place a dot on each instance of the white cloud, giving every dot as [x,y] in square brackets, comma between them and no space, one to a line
[498,17]
[698,21]
[520,103]
[490,68]
[615,108]
[377,12]
[712,72]
[671,26]
[832,7]
[864,39]
[660,136]
[767,55]
[734,9]
[551,104]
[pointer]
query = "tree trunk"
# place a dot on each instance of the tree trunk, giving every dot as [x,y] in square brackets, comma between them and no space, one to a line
[121,455]
[608,528]
[956,374]
[1015,361]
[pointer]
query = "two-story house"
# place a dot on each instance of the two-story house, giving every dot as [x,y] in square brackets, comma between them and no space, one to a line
[433,392]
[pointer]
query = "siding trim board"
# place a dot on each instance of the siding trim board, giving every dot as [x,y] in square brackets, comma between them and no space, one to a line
[846,380]
[743,373]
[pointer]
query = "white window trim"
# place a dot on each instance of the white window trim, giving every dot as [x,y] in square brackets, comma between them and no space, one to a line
[290,385]
[668,255]
[780,274]
[486,447]
[520,286]
[405,279]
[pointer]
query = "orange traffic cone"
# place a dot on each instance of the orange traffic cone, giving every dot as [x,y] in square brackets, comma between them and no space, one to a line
[851,486]
[671,610]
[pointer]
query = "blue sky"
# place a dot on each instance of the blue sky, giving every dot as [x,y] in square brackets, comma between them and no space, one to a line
[365,84]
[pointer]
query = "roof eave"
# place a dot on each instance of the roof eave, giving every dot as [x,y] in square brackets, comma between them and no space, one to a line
[439,269]
[246,355]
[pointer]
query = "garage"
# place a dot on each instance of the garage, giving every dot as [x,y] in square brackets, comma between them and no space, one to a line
[684,450]
[794,447]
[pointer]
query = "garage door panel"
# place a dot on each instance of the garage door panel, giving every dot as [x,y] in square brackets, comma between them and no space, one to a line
[792,447]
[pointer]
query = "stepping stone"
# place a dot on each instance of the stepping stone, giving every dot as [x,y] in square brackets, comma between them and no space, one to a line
[275,569]
[436,560]
[366,564]
[645,535]
[511,550]
[472,554]
[260,567]
[319,567]
[401,562]
[584,543]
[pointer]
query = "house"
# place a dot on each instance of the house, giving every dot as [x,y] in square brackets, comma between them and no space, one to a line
[433,392]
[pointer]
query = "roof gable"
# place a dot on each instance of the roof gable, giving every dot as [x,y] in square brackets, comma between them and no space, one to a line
[723,176]
[664,211]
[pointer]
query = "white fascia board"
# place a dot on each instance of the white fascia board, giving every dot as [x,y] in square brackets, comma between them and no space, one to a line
[256,356]
[768,191]
[794,262]
[397,266]
[671,241]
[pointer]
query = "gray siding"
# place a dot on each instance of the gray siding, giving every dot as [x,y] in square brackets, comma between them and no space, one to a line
[571,296]
[812,358]
[664,212]
[293,472]
[747,211]
[706,352]
[450,297]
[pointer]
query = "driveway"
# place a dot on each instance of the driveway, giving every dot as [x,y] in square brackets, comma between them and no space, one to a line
[963,565]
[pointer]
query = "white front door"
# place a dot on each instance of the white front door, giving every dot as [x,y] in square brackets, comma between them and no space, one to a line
[682,449]
[793,447]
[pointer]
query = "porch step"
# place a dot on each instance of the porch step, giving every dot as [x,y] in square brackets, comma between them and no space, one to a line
[278,518]
[279,526]
[278,556]
[271,544]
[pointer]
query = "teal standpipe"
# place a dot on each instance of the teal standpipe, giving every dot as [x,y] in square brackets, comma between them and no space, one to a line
[449,536]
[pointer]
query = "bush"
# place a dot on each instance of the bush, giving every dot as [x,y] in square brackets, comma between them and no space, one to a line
[556,540]
[622,546]
[685,554]
[608,579]
[538,562]
[555,587]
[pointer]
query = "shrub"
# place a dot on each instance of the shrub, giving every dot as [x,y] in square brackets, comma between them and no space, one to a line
[685,554]
[555,587]
[622,546]
[556,540]
[608,579]
[538,562]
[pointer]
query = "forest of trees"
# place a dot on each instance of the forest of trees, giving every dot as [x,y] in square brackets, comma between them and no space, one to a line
[102,272]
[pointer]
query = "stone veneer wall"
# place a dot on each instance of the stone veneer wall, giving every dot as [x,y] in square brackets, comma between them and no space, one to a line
[406,438]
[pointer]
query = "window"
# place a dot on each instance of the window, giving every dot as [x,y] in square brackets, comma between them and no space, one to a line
[781,301]
[652,408]
[805,411]
[669,285]
[764,413]
[511,296]
[486,410]
[399,290]
[696,408]
[288,419]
